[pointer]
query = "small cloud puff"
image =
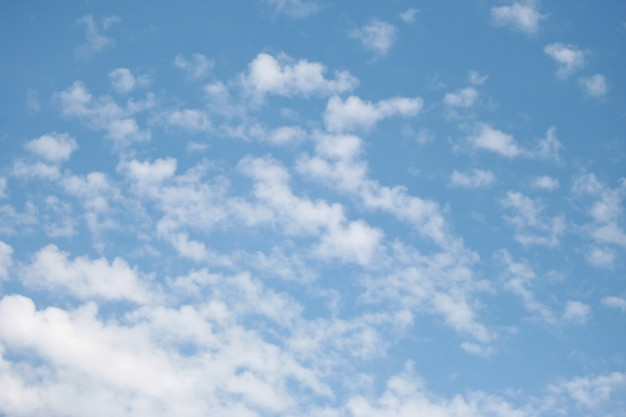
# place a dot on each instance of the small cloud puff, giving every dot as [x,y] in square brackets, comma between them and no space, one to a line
[408,16]
[294,8]
[546,183]
[576,312]
[123,80]
[594,86]
[195,68]
[522,16]
[568,57]
[476,179]
[95,40]
[53,147]
[377,37]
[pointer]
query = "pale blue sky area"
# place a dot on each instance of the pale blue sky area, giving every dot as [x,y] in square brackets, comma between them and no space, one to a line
[309,208]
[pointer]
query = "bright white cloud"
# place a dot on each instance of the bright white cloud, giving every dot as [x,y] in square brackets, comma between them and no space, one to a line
[355,114]
[594,86]
[568,57]
[123,80]
[52,269]
[522,16]
[53,147]
[198,67]
[408,16]
[284,77]
[477,178]
[377,37]
[95,40]
[489,139]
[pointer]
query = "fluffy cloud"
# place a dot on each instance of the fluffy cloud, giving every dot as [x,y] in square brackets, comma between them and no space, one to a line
[531,228]
[545,182]
[496,141]
[6,260]
[356,114]
[294,8]
[123,80]
[577,312]
[408,16]
[594,86]
[281,76]
[614,302]
[478,178]
[568,57]
[590,392]
[522,16]
[53,147]
[462,98]
[377,37]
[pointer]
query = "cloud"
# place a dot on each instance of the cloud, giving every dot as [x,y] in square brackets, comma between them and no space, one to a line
[123,81]
[615,302]
[95,40]
[284,77]
[489,139]
[52,147]
[377,37]
[530,226]
[475,78]
[476,179]
[294,8]
[356,114]
[3,187]
[594,86]
[31,102]
[189,119]
[522,16]
[577,312]
[408,16]
[103,113]
[590,392]
[568,57]
[6,260]
[601,257]
[462,98]
[545,182]
[196,68]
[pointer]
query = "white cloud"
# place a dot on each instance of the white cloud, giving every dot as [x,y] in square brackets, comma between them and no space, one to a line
[3,187]
[568,57]
[478,350]
[531,228]
[281,76]
[6,260]
[377,36]
[102,113]
[594,86]
[408,16]
[478,178]
[198,67]
[549,147]
[601,257]
[496,141]
[615,302]
[590,391]
[462,98]
[190,119]
[53,147]
[356,114]
[545,182]
[522,16]
[475,78]
[95,40]
[123,80]
[577,312]
[294,8]
[85,278]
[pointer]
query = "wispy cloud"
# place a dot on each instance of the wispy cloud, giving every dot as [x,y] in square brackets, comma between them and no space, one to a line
[377,37]
[95,39]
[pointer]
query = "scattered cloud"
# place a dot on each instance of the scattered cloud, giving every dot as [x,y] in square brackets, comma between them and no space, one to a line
[475,78]
[465,97]
[545,182]
[594,86]
[618,303]
[569,58]
[576,312]
[523,16]
[123,81]
[377,37]
[52,147]
[196,68]
[477,178]
[95,40]
[355,114]
[6,260]
[489,139]
[531,228]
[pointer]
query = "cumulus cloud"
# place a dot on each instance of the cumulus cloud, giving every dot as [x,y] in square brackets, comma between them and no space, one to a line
[123,80]
[53,147]
[618,303]
[493,140]
[6,260]
[95,40]
[408,16]
[477,178]
[590,391]
[462,98]
[284,77]
[569,58]
[594,86]
[377,37]
[531,228]
[355,114]
[545,182]
[523,16]
[576,312]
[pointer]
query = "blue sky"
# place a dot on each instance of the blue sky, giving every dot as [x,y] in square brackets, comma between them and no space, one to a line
[308,208]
